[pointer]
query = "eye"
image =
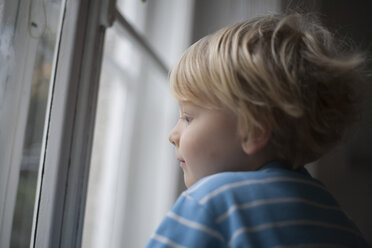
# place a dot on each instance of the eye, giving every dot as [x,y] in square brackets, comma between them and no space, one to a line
[186,118]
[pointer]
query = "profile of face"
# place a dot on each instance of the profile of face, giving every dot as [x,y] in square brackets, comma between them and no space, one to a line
[207,142]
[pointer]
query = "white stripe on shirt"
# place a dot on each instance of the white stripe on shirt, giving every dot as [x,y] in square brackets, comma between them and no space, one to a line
[288,223]
[315,245]
[233,208]
[166,241]
[256,181]
[195,225]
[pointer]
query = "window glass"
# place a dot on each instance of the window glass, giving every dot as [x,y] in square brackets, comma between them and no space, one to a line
[129,148]
[134,175]
[29,32]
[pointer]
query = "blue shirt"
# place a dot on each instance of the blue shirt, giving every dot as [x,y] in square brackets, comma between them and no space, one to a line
[271,207]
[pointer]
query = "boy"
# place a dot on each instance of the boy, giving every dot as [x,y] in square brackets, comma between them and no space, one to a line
[258,100]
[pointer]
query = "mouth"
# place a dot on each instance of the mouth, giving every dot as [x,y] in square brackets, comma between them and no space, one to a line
[182,163]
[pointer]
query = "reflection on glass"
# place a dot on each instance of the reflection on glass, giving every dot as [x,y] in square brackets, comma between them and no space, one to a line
[44,15]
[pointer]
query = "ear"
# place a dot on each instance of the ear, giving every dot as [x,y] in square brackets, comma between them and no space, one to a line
[253,145]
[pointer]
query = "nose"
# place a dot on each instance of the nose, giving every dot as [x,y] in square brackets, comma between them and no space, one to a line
[174,137]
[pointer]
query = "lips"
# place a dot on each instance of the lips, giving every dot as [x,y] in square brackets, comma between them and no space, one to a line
[180,159]
[182,162]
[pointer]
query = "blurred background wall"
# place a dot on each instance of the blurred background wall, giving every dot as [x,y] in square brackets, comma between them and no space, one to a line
[347,170]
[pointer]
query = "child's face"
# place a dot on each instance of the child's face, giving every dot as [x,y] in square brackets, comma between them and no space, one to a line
[207,142]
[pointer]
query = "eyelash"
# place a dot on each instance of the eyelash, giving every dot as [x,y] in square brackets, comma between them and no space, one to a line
[186,118]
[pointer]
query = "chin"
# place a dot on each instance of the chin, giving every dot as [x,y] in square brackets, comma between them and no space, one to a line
[188,182]
[188,185]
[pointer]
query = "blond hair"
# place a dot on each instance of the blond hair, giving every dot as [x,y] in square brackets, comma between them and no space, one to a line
[282,74]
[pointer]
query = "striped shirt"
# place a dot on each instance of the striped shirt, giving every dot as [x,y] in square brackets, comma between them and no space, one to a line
[271,207]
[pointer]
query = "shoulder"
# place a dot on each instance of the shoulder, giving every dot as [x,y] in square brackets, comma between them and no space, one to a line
[265,190]
[222,183]
[236,208]
[251,184]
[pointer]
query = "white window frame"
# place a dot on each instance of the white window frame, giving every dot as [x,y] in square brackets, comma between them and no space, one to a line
[60,214]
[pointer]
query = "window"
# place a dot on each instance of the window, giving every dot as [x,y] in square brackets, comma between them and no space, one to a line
[52,52]
[133,175]
[28,49]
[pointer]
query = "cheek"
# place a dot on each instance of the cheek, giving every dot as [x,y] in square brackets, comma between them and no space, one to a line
[200,148]
[192,145]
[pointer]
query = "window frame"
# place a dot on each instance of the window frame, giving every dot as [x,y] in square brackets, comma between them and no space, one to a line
[17,108]
[61,205]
